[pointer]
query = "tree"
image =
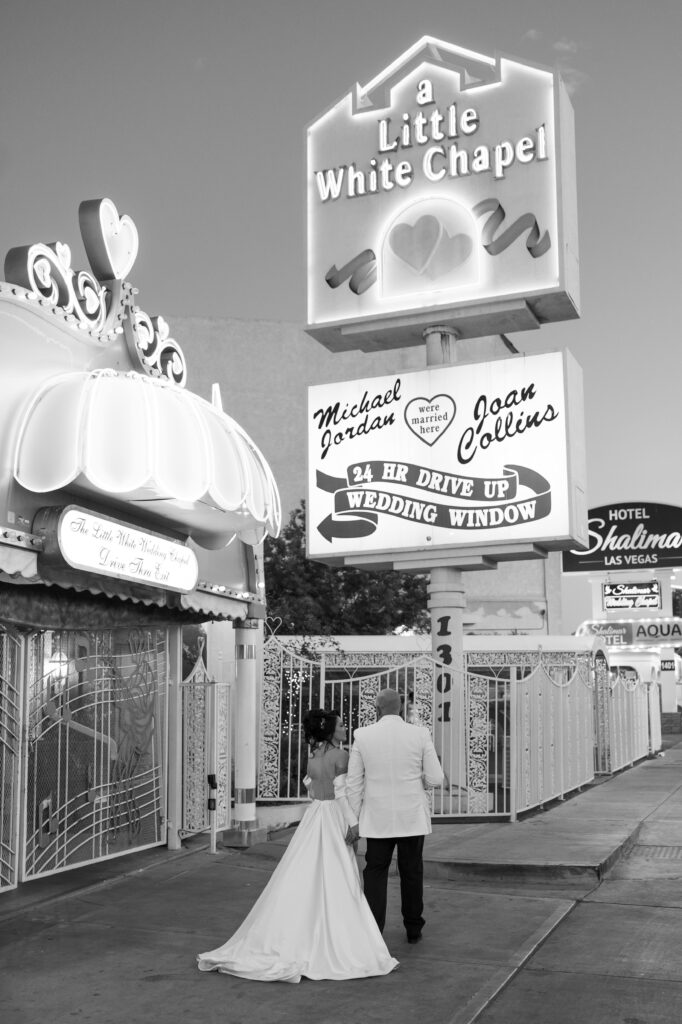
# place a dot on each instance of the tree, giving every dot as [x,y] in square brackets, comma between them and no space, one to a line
[319,600]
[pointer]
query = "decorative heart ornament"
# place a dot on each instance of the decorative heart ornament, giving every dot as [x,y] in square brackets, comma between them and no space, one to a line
[110,241]
[429,418]
[273,623]
[63,254]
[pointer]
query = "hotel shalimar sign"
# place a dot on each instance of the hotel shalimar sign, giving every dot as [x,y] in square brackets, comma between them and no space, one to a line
[442,191]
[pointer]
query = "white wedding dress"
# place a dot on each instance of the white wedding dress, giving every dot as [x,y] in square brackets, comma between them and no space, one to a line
[312,919]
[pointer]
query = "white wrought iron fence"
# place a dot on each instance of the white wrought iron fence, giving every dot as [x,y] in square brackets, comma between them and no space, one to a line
[514,730]
[633,721]
[520,731]
[206,752]
[555,726]
[655,728]
[11,652]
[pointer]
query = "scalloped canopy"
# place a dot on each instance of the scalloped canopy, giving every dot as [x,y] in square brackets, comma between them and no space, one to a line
[152,445]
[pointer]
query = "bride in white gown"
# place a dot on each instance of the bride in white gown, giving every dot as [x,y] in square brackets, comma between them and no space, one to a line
[312,919]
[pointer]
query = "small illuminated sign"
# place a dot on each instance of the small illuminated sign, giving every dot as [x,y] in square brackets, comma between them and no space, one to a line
[445,184]
[635,632]
[94,543]
[480,454]
[631,595]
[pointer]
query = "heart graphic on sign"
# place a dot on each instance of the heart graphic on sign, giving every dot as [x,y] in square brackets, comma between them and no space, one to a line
[427,248]
[110,241]
[415,245]
[429,418]
[450,253]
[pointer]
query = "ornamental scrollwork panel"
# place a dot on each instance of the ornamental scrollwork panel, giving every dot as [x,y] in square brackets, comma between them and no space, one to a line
[194,760]
[271,715]
[477,733]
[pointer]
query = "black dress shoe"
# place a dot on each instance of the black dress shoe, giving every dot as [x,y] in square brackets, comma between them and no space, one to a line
[414,938]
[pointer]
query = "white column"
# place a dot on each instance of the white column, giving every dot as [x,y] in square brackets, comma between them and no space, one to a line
[245,830]
[446,590]
[245,745]
[447,602]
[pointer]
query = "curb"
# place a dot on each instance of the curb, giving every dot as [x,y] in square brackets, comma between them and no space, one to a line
[454,870]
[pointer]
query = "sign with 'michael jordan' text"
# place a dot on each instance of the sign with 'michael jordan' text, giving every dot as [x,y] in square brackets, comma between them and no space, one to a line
[442,191]
[481,455]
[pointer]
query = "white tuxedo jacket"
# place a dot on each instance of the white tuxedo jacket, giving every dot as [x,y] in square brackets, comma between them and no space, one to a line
[384,782]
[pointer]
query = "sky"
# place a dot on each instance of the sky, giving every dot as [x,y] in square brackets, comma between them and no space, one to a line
[191,117]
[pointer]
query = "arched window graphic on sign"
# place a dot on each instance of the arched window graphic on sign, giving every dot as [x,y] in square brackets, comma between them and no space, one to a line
[430,246]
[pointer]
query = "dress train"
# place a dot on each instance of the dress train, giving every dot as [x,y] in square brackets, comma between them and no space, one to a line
[312,919]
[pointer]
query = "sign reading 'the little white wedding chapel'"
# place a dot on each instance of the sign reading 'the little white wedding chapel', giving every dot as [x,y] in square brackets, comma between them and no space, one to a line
[101,545]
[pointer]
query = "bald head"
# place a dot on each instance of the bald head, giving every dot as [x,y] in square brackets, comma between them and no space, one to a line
[388,703]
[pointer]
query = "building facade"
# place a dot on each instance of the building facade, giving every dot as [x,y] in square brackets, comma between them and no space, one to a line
[130,506]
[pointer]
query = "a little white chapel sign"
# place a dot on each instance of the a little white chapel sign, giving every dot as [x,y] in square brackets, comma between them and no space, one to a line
[445,184]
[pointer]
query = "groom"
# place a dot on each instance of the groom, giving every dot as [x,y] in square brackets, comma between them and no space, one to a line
[390,764]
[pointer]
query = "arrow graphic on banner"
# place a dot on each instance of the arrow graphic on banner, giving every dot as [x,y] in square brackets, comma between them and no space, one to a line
[357,526]
[361,525]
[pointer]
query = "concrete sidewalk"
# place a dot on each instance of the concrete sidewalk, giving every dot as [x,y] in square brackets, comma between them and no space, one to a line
[576,839]
[520,927]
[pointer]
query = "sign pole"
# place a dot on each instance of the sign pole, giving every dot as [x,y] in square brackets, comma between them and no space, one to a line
[447,599]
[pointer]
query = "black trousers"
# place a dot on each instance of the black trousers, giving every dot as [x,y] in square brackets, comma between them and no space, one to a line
[411,871]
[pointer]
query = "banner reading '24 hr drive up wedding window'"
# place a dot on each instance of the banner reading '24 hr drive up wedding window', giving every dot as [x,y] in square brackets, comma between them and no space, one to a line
[482,454]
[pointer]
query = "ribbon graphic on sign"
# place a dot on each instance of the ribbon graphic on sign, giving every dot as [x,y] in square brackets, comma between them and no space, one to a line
[362,271]
[536,244]
[357,508]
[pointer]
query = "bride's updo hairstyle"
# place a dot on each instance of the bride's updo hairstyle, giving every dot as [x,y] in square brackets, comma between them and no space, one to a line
[319,726]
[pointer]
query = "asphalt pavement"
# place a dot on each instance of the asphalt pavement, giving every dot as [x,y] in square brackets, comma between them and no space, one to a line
[573,914]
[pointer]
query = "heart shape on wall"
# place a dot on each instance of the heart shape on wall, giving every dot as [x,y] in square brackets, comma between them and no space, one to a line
[110,240]
[429,418]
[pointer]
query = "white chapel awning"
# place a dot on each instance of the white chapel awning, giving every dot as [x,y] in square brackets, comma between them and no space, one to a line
[146,442]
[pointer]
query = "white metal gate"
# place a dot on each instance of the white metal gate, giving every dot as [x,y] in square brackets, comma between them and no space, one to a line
[10,746]
[96,727]
[206,746]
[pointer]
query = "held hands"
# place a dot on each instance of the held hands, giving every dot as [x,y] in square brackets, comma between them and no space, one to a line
[352,835]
